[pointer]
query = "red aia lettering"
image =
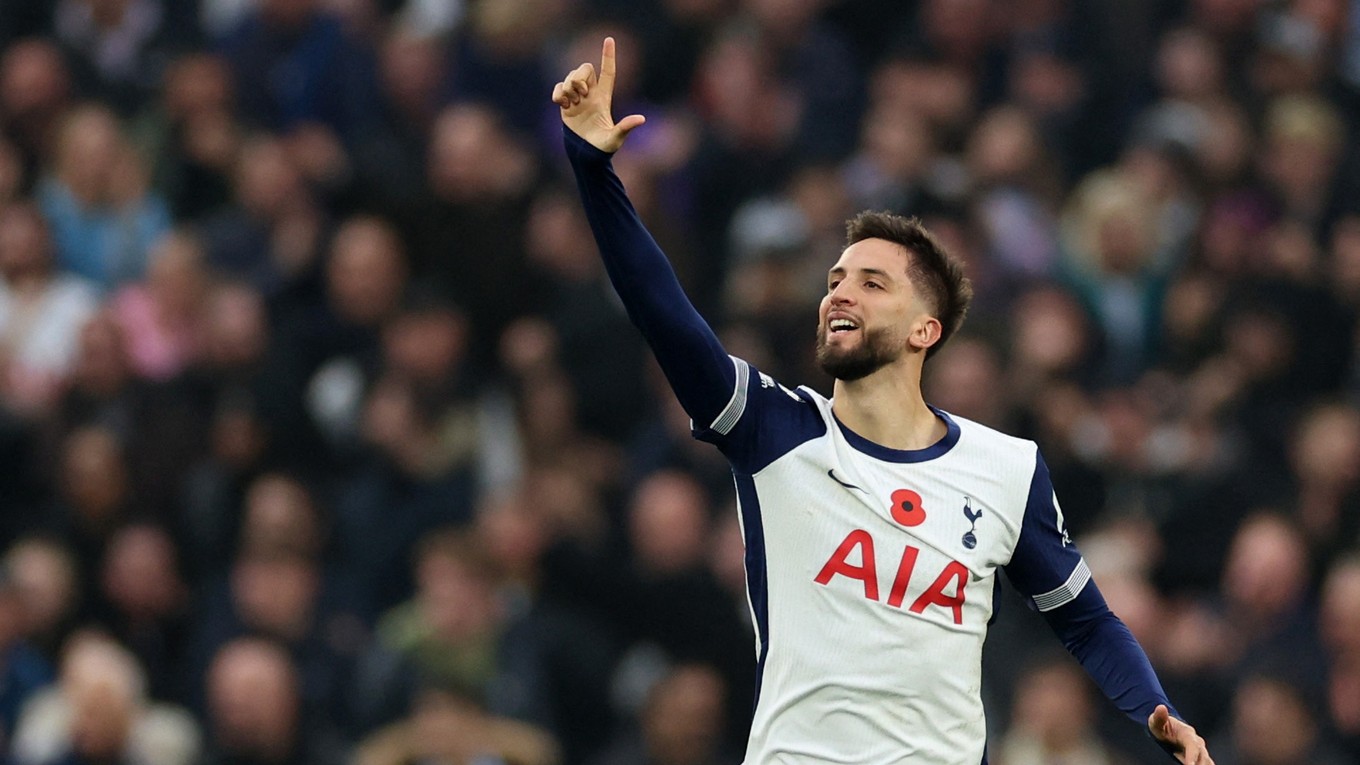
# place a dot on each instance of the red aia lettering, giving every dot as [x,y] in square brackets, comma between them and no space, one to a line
[867,573]
[935,595]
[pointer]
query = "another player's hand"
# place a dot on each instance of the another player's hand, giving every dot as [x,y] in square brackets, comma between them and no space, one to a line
[1180,736]
[586,97]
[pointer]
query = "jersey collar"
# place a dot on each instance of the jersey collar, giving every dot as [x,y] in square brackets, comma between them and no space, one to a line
[878,451]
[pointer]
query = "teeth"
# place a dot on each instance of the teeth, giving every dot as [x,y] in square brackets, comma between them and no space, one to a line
[838,325]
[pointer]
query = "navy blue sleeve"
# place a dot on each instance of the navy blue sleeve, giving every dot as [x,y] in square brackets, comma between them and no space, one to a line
[1050,572]
[703,376]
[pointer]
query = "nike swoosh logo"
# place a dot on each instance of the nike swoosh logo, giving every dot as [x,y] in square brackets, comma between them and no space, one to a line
[832,473]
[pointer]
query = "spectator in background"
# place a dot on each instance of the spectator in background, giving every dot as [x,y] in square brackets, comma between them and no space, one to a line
[271,234]
[119,48]
[1275,723]
[1110,259]
[389,151]
[13,177]
[95,495]
[23,671]
[467,240]
[35,94]
[457,635]
[324,357]
[1339,619]
[42,311]
[1052,720]
[144,602]
[99,713]
[255,711]
[1324,457]
[162,317]
[46,577]
[443,727]
[330,77]
[497,59]
[681,722]
[674,604]
[191,135]
[104,217]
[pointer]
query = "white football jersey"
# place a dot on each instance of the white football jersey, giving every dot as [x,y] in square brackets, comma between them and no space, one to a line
[871,571]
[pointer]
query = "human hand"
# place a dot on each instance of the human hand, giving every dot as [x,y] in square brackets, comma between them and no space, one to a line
[586,98]
[1187,745]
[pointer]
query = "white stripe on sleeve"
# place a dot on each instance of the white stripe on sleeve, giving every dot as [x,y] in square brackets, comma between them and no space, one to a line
[737,404]
[1067,591]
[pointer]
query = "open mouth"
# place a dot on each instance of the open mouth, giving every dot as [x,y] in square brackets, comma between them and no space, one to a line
[837,326]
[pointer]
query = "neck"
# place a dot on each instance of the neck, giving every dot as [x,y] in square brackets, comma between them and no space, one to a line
[887,407]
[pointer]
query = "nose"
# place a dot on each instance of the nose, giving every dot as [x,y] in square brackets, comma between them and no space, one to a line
[840,295]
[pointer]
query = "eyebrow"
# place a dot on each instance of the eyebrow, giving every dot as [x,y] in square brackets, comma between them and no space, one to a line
[839,271]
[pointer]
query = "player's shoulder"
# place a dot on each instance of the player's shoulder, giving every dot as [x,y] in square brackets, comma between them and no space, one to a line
[995,442]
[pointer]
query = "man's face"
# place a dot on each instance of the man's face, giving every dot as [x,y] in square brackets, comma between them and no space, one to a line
[868,312]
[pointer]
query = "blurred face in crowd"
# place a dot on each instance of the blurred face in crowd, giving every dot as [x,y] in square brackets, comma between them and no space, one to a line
[176,276]
[13,620]
[1053,704]
[456,594]
[279,514]
[33,78]
[107,13]
[105,687]
[252,698]
[668,523]
[558,238]
[366,272]
[197,85]
[267,180]
[474,159]
[287,13]
[102,365]
[1050,333]
[682,721]
[427,345]
[236,326]
[44,577]
[1189,65]
[898,142]
[1004,147]
[94,475]
[88,153]
[1271,725]
[411,67]
[140,575]
[1267,568]
[25,249]
[515,533]
[967,381]
[11,173]
[1326,447]
[275,592]
[1340,609]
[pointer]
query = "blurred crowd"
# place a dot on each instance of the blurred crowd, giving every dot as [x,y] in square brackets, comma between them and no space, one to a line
[324,439]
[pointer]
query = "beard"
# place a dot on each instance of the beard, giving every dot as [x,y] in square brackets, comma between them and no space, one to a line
[876,351]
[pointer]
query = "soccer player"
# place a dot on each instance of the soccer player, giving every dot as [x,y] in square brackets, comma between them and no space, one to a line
[874,523]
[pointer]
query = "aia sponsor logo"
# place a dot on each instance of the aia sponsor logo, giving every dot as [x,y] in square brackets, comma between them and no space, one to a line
[856,559]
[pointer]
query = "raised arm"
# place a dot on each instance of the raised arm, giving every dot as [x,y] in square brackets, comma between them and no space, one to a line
[700,372]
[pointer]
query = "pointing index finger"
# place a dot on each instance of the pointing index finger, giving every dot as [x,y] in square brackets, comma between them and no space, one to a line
[607,67]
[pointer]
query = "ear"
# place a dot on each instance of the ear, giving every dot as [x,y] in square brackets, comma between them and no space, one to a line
[924,333]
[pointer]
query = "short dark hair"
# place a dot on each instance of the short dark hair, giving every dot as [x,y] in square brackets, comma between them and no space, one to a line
[938,275]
